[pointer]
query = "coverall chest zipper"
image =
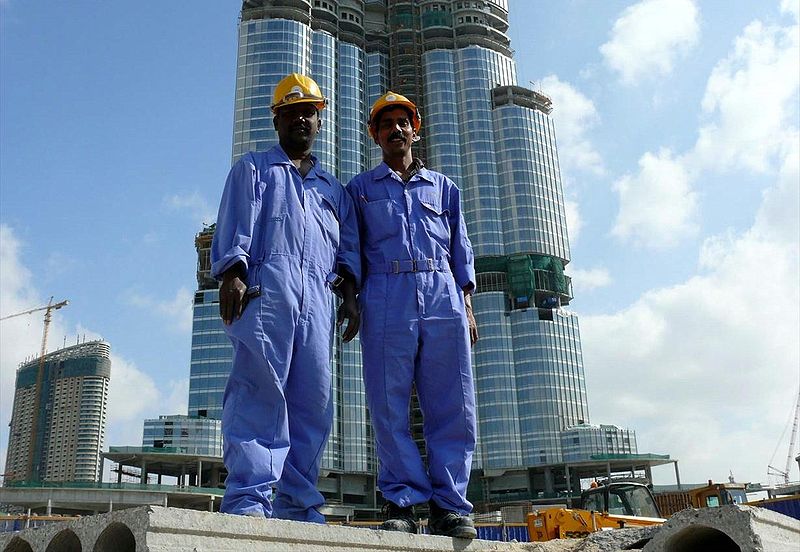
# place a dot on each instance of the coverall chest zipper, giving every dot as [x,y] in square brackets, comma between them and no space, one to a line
[411,249]
[303,271]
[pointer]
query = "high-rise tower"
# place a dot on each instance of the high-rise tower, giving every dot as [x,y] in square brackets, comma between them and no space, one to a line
[71,416]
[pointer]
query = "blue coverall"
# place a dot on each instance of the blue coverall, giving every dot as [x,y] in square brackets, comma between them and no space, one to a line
[293,234]
[416,258]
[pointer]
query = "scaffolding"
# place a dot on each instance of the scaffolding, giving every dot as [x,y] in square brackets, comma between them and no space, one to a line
[529,280]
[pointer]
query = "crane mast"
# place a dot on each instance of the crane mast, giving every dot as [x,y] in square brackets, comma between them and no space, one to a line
[793,439]
[784,473]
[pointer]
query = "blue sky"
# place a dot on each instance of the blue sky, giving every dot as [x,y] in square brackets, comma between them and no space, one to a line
[677,125]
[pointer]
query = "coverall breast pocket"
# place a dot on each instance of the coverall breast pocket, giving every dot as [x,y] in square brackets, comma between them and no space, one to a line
[330,220]
[435,220]
[382,219]
[274,206]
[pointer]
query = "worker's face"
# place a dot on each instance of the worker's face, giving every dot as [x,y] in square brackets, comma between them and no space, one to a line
[395,133]
[297,126]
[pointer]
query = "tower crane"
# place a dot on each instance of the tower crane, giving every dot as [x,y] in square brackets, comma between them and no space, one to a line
[49,308]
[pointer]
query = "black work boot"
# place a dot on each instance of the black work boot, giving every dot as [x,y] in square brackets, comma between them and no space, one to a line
[399,519]
[449,523]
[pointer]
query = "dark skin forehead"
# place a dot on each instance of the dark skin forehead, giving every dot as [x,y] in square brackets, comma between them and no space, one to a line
[389,108]
[291,111]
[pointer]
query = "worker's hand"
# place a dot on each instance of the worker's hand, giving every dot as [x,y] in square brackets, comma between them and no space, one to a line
[348,309]
[471,323]
[232,295]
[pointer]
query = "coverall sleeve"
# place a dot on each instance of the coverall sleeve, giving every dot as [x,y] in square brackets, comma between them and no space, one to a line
[238,211]
[354,191]
[462,260]
[348,258]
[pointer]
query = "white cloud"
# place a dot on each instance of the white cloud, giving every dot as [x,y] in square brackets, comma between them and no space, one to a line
[658,207]
[135,396]
[584,280]
[193,205]
[574,115]
[649,37]
[752,109]
[751,98]
[574,220]
[718,352]
[724,342]
[177,401]
[151,237]
[791,7]
[177,311]
[777,218]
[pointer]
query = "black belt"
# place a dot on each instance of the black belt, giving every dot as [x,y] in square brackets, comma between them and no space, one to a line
[410,265]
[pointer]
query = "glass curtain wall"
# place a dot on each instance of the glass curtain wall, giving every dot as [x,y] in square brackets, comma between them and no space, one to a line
[211,357]
[477,71]
[269,49]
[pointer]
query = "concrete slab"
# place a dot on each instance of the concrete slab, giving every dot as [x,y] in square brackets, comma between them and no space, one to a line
[727,529]
[633,538]
[157,529]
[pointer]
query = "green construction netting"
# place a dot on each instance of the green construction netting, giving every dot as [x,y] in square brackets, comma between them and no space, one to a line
[527,273]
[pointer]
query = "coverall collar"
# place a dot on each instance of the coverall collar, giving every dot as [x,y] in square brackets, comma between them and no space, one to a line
[276,156]
[383,171]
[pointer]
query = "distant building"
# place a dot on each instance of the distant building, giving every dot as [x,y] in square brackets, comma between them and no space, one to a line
[581,442]
[70,409]
[212,352]
[186,434]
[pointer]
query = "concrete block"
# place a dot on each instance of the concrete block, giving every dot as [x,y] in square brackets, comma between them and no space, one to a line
[727,529]
[157,529]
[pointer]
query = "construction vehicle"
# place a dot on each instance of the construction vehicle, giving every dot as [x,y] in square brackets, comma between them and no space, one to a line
[709,496]
[603,507]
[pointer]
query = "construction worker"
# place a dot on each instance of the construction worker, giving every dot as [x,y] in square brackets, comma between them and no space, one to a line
[417,325]
[286,238]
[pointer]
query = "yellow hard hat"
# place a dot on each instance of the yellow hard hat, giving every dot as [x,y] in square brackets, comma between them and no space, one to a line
[297,88]
[390,99]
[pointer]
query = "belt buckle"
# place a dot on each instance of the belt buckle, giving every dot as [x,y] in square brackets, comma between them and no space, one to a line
[413,265]
[334,280]
[396,267]
[431,266]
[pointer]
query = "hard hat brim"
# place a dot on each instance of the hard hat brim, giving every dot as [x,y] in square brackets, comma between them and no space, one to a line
[319,103]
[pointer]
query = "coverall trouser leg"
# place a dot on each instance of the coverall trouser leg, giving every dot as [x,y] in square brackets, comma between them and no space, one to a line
[310,414]
[433,355]
[447,399]
[277,417]
[388,349]
[255,432]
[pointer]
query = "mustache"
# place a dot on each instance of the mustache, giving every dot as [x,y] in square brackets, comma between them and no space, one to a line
[395,135]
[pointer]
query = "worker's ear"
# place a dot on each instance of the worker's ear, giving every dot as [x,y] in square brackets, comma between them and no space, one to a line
[275,122]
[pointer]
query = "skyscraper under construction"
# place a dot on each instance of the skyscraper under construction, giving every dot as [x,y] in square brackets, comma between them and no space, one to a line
[496,140]
[59,417]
